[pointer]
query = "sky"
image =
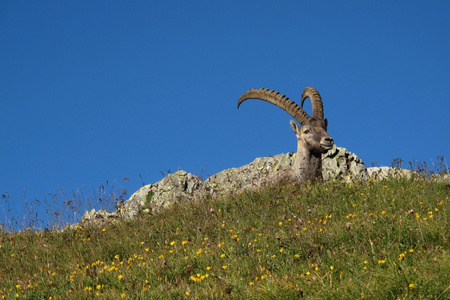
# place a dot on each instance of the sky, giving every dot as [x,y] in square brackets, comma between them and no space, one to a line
[119,93]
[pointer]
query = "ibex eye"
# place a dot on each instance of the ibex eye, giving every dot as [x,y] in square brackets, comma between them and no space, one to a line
[306,131]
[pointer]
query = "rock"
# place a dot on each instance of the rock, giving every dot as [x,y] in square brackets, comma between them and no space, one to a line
[100,217]
[380,173]
[337,163]
[248,176]
[340,163]
[176,187]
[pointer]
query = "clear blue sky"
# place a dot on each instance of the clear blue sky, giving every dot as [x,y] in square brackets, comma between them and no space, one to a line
[96,91]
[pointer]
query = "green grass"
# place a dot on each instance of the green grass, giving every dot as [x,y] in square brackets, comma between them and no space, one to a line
[372,240]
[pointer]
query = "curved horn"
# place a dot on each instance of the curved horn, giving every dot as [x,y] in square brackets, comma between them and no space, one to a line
[279,100]
[316,100]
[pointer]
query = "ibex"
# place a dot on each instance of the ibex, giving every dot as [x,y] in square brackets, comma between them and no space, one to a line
[312,137]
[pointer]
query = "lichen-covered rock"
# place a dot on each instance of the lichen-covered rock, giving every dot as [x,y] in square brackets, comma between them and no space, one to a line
[182,186]
[248,176]
[176,187]
[339,163]
[379,173]
[100,217]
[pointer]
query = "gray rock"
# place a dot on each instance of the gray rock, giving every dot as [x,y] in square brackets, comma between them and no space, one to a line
[338,163]
[176,187]
[380,173]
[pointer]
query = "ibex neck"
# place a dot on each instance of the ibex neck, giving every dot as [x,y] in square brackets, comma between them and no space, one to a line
[307,166]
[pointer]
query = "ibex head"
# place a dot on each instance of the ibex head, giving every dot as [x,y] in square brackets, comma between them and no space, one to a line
[312,137]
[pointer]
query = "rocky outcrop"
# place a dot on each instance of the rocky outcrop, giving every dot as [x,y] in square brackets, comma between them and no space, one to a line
[337,164]
[176,187]
[380,173]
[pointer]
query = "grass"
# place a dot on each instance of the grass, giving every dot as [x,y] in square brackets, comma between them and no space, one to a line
[372,240]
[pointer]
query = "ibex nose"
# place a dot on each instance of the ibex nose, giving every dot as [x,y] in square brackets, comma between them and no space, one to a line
[327,142]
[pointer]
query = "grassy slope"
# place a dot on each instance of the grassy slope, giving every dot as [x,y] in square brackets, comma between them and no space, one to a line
[383,240]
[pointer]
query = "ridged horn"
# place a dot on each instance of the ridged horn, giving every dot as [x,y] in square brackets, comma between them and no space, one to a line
[279,100]
[316,100]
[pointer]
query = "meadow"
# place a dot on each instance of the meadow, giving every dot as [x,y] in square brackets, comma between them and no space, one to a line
[385,239]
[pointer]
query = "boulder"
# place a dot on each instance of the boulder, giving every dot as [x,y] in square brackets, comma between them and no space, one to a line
[176,187]
[380,173]
[339,163]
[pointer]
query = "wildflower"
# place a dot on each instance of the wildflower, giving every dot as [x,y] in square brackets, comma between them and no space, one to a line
[411,285]
[123,296]
[381,261]
[120,277]
[172,243]
[331,268]
[104,229]
[225,267]
[187,293]
[281,223]
[251,283]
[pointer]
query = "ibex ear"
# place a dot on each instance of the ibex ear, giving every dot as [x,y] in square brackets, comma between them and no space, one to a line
[295,127]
